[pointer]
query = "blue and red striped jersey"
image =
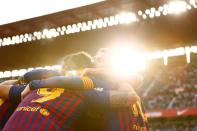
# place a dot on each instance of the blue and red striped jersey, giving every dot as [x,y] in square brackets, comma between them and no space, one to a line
[53,105]
[7,107]
[127,119]
[47,109]
[74,110]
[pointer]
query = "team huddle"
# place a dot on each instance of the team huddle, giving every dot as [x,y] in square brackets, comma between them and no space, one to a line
[86,95]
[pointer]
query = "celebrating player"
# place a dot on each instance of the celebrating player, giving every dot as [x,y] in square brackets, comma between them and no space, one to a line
[10,91]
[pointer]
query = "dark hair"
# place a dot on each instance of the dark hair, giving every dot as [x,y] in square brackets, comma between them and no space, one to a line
[78,61]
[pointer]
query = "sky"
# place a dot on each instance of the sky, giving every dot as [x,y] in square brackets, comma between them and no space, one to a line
[16,10]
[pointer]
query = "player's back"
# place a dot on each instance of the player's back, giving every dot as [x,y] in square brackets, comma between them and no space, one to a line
[132,118]
[6,108]
[46,109]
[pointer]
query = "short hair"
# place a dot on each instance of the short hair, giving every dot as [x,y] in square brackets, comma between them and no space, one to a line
[78,61]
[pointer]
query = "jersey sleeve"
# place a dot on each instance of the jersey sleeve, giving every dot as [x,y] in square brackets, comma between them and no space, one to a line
[63,82]
[97,99]
[15,93]
[39,74]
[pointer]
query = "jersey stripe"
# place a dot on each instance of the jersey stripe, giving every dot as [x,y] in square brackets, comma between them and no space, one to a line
[120,121]
[28,120]
[24,114]
[43,121]
[127,121]
[65,99]
[69,113]
[65,108]
[5,108]
[22,118]
[15,120]
[5,112]
[132,120]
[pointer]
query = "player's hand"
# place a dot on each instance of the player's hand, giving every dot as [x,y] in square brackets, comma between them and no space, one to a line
[25,92]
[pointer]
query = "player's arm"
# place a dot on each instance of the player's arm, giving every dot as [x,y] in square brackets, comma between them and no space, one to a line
[4,90]
[11,91]
[73,83]
[134,79]
[38,74]
[63,82]
[9,82]
[110,98]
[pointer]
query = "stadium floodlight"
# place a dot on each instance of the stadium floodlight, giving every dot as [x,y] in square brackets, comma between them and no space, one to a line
[26,35]
[157,13]
[144,16]
[59,29]
[62,32]
[104,24]
[177,7]
[160,8]
[29,39]
[153,9]
[125,18]
[189,7]
[165,12]
[43,36]
[7,74]
[20,72]
[89,23]
[84,28]
[63,28]
[140,13]
[15,73]
[193,3]
[151,15]
[126,61]
[147,11]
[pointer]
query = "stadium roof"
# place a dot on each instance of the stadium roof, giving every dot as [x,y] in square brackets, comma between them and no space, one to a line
[159,33]
[164,30]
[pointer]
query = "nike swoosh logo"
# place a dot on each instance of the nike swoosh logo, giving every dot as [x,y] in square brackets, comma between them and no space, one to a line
[181,112]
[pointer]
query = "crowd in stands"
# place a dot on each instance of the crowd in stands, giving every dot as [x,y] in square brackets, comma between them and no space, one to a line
[174,125]
[173,87]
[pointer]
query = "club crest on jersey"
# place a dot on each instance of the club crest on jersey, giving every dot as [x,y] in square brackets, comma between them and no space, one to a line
[44,112]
